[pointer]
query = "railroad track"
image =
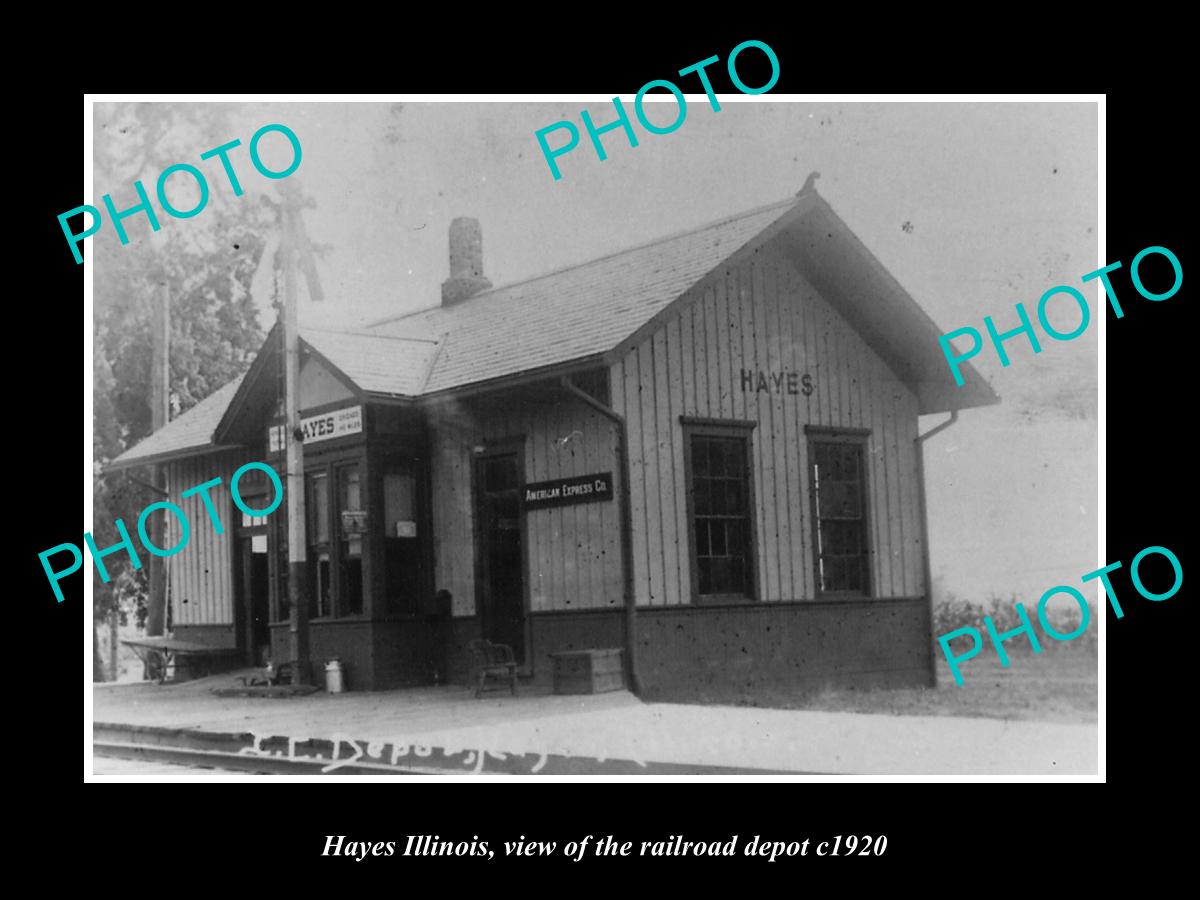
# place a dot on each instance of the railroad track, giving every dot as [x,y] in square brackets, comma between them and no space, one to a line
[244,752]
[233,762]
[340,755]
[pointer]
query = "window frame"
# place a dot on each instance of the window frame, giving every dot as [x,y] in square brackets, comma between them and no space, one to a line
[862,438]
[410,466]
[337,537]
[332,471]
[315,548]
[693,427]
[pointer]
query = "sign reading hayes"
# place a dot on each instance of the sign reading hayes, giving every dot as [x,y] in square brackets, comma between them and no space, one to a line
[561,491]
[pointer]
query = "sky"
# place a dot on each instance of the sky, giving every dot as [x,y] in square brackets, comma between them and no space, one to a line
[973,207]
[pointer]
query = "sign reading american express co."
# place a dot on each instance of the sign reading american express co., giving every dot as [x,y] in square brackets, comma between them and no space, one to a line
[561,491]
[323,427]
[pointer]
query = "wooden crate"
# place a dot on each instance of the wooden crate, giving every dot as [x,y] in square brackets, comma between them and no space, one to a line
[588,671]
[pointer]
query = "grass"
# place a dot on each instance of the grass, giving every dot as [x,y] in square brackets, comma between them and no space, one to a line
[1048,687]
[1055,686]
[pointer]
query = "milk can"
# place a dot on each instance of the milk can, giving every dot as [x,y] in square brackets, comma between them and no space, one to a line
[333,676]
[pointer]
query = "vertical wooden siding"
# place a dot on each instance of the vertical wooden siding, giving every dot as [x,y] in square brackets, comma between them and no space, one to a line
[201,575]
[763,315]
[572,552]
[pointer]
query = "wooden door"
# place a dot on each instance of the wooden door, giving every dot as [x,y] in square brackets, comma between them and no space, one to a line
[255,591]
[500,554]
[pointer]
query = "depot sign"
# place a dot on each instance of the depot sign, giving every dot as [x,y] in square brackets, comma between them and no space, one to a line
[322,427]
[563,491]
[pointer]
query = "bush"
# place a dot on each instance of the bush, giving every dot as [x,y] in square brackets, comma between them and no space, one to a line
[951,613]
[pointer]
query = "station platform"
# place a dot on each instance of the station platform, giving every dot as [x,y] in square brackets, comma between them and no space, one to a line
[611,733]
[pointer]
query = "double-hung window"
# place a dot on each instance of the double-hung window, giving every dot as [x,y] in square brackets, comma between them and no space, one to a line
[350,551]
[838,481]
[720,509]
[402,558]
[335,541]
[320,600]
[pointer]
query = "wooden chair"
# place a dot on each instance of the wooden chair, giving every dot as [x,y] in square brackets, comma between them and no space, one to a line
[495,660]
[283,673]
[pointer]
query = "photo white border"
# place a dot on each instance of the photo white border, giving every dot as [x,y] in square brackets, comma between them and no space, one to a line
[201,775]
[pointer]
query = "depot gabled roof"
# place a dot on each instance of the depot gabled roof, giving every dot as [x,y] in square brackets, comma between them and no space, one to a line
[575,312]
[589,314]
[188,435]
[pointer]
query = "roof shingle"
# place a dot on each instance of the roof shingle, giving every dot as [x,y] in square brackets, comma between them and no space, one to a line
[572,313]
[377,363]
[192,431]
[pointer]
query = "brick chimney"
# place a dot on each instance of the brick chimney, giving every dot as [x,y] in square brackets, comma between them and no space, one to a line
[466,262]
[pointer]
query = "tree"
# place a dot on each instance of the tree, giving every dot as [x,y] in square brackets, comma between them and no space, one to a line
[206,263]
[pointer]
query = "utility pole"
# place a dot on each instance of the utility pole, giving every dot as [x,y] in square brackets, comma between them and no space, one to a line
[160,412]
[297,540]
[114,619]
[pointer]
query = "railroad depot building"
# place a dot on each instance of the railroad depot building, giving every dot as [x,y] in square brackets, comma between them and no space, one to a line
[704,450]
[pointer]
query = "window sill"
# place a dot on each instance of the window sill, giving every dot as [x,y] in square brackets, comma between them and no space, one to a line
[723,600]
[766,605]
